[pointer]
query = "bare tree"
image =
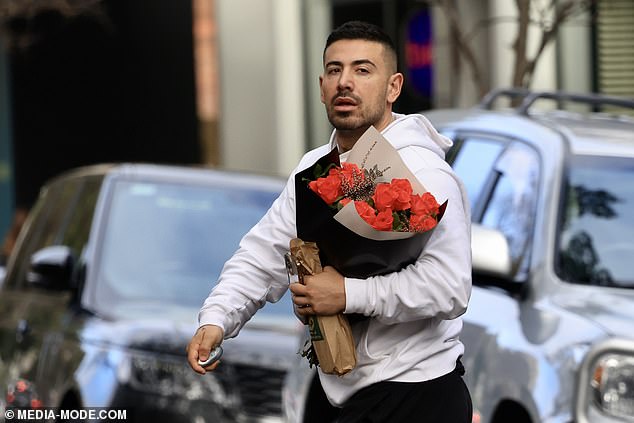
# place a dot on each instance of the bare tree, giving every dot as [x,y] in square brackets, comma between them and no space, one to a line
[546,16]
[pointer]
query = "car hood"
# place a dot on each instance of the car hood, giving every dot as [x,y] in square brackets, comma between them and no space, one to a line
[152,334]
[612,309]
[267,340]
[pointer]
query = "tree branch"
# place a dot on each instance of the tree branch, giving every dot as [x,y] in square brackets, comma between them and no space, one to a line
[563,13]
[451,13]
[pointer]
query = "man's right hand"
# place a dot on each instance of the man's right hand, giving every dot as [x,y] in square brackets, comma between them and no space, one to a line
[204,340]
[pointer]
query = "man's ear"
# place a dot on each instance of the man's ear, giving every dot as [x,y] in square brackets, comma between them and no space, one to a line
[394,86]
[321,90]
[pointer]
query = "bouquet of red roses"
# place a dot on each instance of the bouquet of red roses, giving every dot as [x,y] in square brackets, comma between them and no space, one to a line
[369,215]
[385,206]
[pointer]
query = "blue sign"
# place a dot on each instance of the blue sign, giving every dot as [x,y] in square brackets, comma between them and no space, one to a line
[418,53]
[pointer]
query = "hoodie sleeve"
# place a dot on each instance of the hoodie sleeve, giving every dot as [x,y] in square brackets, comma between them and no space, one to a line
[256,272]
[438,284]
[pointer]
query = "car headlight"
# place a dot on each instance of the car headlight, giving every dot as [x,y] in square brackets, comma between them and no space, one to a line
[613,384]
[606,383]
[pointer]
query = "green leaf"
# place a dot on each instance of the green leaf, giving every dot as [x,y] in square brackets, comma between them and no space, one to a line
[310,353]
[318,171]
[397,225]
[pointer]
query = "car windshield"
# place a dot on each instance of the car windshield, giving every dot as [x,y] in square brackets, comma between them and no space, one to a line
[167,243]
[596,246]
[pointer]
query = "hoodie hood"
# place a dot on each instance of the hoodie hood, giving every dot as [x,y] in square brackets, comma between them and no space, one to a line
[412,130]
[416,130]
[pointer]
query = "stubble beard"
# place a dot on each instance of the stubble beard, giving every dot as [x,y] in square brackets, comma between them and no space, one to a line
[344,121]
[349,121]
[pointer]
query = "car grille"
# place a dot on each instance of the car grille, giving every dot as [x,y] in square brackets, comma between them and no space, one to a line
[260,390]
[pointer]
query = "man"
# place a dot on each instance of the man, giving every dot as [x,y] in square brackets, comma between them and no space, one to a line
[408,350]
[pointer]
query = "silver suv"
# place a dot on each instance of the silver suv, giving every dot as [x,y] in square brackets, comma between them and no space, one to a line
[549,333]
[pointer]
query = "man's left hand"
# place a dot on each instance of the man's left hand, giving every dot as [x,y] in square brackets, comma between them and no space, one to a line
[322,294]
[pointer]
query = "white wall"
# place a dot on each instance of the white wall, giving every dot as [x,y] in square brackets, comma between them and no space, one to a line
[261,84]
[575,55]
[289,77]
[453,80]
[317,26]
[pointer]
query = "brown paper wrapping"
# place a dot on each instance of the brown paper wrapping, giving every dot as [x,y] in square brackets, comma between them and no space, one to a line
[331,336]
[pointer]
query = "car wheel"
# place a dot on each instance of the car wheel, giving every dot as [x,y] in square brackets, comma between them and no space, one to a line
[510,411]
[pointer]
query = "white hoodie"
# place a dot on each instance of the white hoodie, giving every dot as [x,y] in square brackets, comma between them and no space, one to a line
[413,333]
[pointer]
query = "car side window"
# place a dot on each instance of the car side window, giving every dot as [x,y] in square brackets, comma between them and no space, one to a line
[512,204]
[472,159]
[76,231]
[38,216]
[501,178]
[58,219]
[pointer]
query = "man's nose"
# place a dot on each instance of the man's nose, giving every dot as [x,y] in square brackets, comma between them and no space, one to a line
[345,82]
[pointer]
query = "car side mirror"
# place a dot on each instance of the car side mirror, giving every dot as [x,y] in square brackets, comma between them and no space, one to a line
[52,268]
[490,252]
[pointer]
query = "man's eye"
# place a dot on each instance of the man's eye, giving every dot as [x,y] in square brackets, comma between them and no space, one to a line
[363,70]
[333,71]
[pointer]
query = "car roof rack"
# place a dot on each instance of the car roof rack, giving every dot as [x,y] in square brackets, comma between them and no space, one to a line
[528,98]
[589,99]
[489,99]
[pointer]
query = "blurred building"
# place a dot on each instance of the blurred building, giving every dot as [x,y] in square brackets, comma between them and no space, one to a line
[93,81]
[234,83]
[270,58]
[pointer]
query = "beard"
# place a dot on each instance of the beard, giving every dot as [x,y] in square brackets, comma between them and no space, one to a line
[362,117]
[350,121]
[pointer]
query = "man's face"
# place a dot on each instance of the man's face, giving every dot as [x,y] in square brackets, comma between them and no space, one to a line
[357,85]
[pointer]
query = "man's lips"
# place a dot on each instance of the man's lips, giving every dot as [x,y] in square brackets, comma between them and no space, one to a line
[344,103]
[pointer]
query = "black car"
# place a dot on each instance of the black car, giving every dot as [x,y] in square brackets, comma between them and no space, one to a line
[103,288]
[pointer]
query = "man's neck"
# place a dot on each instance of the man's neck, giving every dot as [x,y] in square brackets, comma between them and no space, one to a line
[346,139]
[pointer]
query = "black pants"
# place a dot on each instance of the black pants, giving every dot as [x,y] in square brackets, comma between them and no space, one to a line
[442,400]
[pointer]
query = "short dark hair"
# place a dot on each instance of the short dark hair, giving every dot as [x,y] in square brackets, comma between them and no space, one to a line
[359,30]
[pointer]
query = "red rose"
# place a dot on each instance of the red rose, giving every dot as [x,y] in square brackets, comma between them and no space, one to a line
[350,171]
[402,191]
[366,211]
[328,187]
[383,197]
[422,223]
[424,204]
[344,201]
[390,201]
[383,221]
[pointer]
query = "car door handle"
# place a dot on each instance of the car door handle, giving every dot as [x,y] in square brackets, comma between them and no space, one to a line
[22,330]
